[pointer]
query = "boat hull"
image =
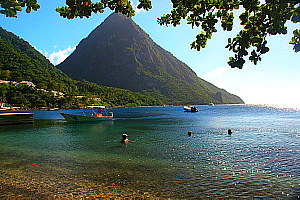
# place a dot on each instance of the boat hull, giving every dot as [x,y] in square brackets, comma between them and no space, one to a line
[81,118]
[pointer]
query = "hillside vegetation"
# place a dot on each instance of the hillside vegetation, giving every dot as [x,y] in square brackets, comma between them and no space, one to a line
[118,53]
[19,61]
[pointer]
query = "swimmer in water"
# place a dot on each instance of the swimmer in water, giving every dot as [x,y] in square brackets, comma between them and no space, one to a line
[125,139]
[229,132]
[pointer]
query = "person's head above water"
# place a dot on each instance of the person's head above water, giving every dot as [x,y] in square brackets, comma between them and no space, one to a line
[124,138]
[229,132]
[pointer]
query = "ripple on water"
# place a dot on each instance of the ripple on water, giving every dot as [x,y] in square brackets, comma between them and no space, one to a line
[259,160]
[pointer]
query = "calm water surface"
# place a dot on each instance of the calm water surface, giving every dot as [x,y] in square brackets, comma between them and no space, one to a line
[56,159]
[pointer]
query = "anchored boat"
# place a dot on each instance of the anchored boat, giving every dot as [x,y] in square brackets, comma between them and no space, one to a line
[95,116]
[190,109]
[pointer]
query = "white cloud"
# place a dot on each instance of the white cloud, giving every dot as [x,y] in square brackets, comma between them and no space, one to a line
[218,77]
[44,53]
[57,57]
[216,73]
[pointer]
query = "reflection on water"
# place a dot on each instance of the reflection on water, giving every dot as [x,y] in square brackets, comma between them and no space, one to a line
[56,159]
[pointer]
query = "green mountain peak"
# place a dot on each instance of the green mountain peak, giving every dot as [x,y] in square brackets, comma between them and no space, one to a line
[118,53]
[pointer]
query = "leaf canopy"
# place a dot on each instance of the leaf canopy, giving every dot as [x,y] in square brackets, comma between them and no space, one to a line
[258,19]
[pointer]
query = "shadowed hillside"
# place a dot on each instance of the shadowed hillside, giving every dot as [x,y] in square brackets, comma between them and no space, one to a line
[118,53]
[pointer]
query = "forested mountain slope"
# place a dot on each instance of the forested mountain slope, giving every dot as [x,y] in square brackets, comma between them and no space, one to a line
[19,61]
[118,53]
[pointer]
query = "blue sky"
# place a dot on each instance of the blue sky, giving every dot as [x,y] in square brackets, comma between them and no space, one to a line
[275,80]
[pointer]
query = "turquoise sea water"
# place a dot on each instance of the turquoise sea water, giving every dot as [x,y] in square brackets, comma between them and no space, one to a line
[56,159]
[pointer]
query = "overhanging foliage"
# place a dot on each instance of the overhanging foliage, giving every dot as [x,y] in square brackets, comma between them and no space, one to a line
[258,19]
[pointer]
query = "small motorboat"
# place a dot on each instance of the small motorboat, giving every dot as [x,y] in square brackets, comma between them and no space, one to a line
[95,116]
[190,109]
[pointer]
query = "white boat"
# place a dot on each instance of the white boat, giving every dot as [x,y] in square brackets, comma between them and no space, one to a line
[96,116]
[187,108]
[190,109]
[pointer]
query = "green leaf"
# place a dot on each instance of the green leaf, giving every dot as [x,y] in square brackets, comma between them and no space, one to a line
[296,48]
[18,8]
[296,16]
[28,9]
[264,50]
